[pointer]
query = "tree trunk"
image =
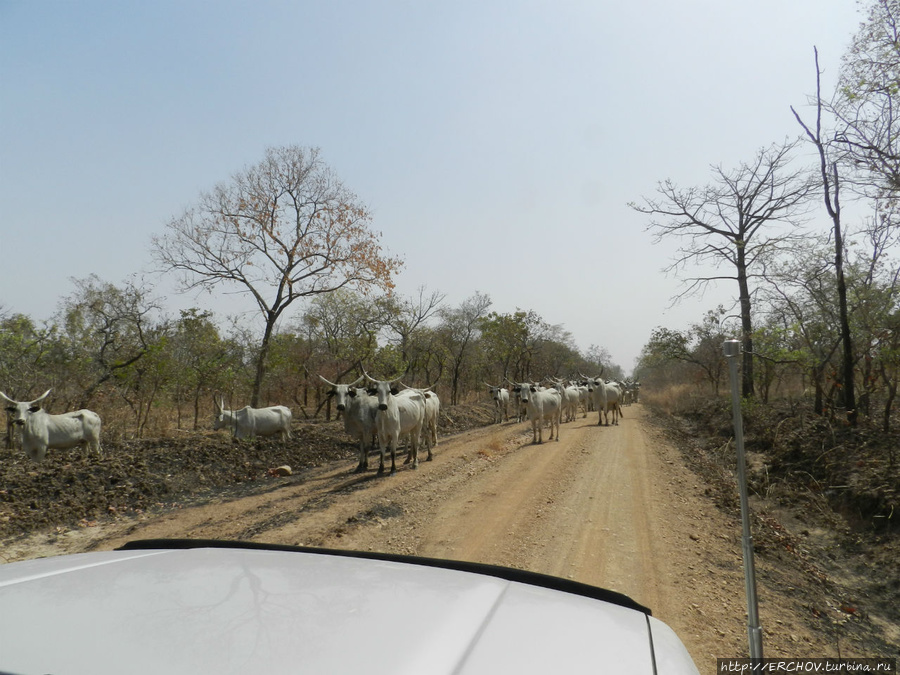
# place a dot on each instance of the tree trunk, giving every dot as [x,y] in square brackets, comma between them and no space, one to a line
[819,403]
[746,323]
[849,392]
[888,405]
[891,385]
[263,356]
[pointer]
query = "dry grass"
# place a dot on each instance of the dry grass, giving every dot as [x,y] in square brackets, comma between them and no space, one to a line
[675,399]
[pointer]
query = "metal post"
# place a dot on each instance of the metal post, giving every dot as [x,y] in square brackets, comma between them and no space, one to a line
[754,631]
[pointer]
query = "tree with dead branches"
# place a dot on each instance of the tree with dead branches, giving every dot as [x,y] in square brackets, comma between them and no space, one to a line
[734,226]
[284,229]
[829,181]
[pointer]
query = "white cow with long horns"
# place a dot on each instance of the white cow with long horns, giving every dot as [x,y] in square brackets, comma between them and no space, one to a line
[251,422]
[42,431]
[397,415]
[500,397]
[358,410]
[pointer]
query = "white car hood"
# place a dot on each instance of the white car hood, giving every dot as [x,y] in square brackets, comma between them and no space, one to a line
[215,610]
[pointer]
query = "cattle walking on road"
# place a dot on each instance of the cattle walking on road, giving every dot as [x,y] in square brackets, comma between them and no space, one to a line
[397,415]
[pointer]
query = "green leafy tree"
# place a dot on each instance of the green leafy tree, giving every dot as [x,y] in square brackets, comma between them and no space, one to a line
[201,357]
[700,346]
[405,318]
[347,325]
[504,340]
[104,330]
[23,353]
[867,102]
[460,328]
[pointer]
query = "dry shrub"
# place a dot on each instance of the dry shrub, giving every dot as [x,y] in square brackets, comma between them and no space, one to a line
[675,399]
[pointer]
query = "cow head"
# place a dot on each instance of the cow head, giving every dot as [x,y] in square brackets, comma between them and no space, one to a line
[524,390]
[342,393]
[383,390]
[219,421]
[20,410]
[495,393]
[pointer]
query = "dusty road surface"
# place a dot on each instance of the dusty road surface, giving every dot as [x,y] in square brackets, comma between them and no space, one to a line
[610,506]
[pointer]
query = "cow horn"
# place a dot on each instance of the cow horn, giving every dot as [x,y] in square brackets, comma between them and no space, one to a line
[392,381]
[429,388]
[41,398]
[331,384]
[7,397]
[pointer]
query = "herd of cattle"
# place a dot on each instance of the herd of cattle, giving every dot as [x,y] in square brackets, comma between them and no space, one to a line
[384,411]
[557,401]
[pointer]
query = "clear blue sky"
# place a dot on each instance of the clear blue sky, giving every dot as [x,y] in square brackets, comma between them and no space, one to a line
[497,142]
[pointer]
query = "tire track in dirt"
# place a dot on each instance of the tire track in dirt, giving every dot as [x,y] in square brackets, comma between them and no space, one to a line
[575,509]
[611,506]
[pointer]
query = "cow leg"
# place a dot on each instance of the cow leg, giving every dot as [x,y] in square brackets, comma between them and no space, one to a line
[414,447]
[381,449]
[409,452]
[394,457]
[362,456]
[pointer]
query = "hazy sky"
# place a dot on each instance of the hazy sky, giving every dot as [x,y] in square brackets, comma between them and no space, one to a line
[497,143]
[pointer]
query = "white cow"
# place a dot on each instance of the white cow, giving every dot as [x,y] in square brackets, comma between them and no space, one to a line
[570,399]
[500,397]
[516,398]
[358,410]
[251,422]
[396,416]
[607,397]
[41,430]
[632,390]
[615,393]
[432,416]
[542,405]
[584,398]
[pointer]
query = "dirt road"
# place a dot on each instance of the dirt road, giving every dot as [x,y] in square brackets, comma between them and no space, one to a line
[610,506]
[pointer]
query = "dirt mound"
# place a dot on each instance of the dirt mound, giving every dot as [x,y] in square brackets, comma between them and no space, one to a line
[824,507]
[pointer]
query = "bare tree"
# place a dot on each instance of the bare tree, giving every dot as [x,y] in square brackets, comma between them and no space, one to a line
[830,183]
[283,229]
[405,316]
[738,222]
